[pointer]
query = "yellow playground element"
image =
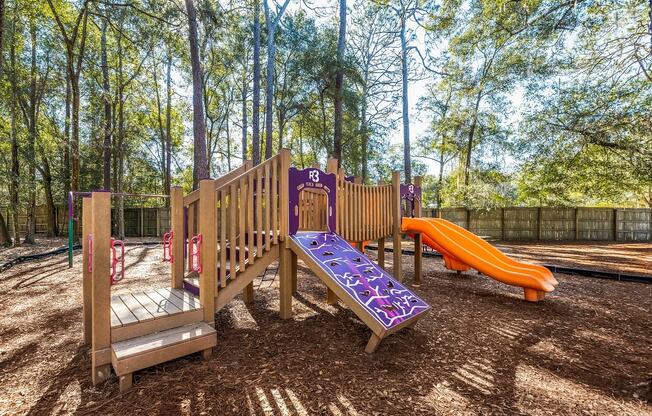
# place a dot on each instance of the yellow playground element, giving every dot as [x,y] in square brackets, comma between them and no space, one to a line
[462,249]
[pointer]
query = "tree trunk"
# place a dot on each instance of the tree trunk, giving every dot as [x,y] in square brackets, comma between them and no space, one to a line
[66,133]
[200,162]
[119,147]
[15,167]
[244,117]
[2,32]
[407,162]
[5,239]
[168,129]
[255,116]
[49,199]
[106,89]
[469,143]
[364,133]
[269,88]
[30,234]
[339,85]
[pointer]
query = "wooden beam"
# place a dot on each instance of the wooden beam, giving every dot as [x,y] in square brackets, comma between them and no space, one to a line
[418,243]
[396,223]
[208,231]
[87,277]
[178,241]
[101,290]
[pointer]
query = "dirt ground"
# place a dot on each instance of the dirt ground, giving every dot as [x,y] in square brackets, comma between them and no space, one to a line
[481,350]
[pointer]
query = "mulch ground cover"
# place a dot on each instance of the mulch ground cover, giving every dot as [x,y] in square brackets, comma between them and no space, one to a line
[481,350]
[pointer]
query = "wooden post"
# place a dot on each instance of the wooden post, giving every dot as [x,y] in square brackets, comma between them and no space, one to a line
[208,231]
[418,243]
[539,223]
[142,222]
[176,219]
[101,291]
[87,277]
[502,224]
[331,167]
[577,224]
[396,223]
[381,253]
[192,231]
[615,224]
[286,279]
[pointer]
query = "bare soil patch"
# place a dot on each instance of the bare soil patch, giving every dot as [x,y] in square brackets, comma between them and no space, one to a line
[481,350]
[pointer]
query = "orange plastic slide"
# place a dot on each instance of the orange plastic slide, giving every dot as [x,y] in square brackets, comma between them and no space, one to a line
[462,248]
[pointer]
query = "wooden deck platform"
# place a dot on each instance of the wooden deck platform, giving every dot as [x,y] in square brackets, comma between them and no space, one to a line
[139,313]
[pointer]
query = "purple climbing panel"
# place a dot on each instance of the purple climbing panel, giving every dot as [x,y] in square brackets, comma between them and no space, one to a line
[377,291]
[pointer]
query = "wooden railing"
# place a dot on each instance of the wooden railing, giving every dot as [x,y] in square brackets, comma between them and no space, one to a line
[247,212]
[364,211]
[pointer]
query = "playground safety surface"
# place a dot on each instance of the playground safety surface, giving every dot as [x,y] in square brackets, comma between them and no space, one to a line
[481,349]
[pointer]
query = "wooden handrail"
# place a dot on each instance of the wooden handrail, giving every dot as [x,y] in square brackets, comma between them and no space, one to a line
[193,196]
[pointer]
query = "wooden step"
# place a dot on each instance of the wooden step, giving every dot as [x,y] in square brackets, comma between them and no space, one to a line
[140,313]
[137,353]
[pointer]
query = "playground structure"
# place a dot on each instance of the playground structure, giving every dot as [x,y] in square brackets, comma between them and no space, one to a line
[228,231]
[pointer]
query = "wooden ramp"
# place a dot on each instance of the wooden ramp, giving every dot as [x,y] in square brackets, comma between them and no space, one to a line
[380,301]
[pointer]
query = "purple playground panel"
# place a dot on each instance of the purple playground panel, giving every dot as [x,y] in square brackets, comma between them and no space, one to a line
[412,194]
[312,179]
[383,297]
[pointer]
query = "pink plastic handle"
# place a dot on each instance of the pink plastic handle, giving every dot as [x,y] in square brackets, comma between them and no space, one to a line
[195,253]
[116,260]
[167,247]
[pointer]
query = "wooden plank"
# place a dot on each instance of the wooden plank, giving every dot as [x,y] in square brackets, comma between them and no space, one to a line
[250,218]
[242,223]
[275,202]
[139,311]
[156,325]
[164,302]
[101,288]
[268,207]
[122,312]
[177,227]
[233,215]
[284,160]
[208,230]
[192,231]
[259,213]
[87,277]
[142,352]
[115,321]
[222,268]
[152,307]
[180,298]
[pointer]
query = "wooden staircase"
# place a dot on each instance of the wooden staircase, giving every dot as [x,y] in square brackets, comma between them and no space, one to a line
[155,326]
[145,351]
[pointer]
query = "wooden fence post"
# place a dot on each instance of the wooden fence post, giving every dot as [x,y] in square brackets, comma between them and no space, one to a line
[101,302]
[285,262]
[539,225]
[381,243]
[577,224]
[615,224]
[178,239]
[87,276]
[418,244]
[208,231]
[396,223]
[502,224]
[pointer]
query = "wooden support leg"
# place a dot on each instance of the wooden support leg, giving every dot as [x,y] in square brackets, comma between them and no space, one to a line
[206,354]
[373,343]
[126,381]
[294,272]
[381,253]
[331,297]
[417,258]
[285,281]
[101,373]
[248,293]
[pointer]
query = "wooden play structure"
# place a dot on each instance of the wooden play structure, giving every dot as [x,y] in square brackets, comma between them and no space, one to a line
[225,234]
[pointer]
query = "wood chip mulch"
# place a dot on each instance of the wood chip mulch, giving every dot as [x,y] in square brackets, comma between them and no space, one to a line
[481,350]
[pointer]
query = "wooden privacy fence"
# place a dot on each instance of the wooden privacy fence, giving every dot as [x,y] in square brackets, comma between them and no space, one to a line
[546,223]
[139,222]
